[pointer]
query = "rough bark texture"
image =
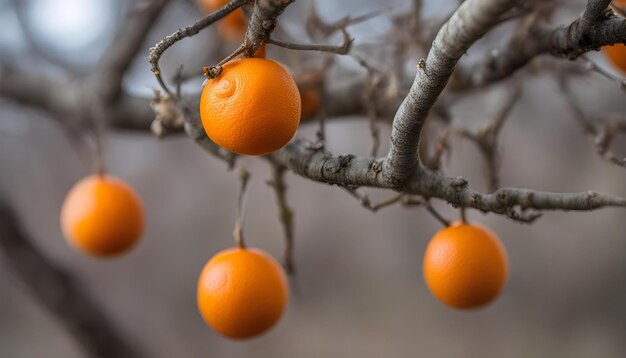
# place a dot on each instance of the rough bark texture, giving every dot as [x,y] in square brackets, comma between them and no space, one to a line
[470,22]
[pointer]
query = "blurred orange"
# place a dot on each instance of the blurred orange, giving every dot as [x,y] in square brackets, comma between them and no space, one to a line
[465,266]
[102,216]
[242,292]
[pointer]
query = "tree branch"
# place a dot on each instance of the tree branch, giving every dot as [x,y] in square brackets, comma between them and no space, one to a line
[36,91]
[597,26]
[339,50]
[155,52]
[262,23]
[285,213]
[469,23]
[352,171]
[61,294]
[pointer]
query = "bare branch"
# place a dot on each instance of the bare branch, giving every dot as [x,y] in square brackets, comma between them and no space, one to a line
[596,27]
[600,135]
[285,213]
[339,50]
[61,293]
[367,203]
[472,19]
[31,90]
[317,26]
[436,214]
[592,66]
[352,171]
[262,23]
[155,52]
[486,138]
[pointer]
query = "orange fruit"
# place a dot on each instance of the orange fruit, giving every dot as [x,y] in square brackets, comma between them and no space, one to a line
[233,26]
[465,266]
[242,292]
[252,107]
[102,216]
[616,55]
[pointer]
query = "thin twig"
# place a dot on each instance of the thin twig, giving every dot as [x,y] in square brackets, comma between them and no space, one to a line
[155,52]
[372,86]
[315,24]
[244,178]
[285,214]
[367,203]
[600,135]
[429,207]
[339,50]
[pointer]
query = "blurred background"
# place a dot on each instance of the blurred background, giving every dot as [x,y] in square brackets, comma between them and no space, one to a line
[359,290]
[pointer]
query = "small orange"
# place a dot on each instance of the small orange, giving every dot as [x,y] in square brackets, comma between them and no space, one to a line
[242,292]
[616,54]
[233,26]
[465,266]
[252,107]
[102,216]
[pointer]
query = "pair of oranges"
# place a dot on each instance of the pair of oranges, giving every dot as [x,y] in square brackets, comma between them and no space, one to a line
[243,293]
[252,108]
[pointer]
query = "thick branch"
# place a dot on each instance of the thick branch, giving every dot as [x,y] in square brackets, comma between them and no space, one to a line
[61,294]
[467,25]
[352,171]
[262,23]
[595,28]
[31,90]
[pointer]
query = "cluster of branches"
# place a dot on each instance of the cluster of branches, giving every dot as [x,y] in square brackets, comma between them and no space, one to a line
[412,167]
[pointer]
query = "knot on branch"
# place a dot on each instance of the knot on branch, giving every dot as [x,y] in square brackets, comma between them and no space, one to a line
[525,201]
[336,165]
[501,196]
[591,198]
[377,166]
[459,183]
[521,216]
[169,116]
